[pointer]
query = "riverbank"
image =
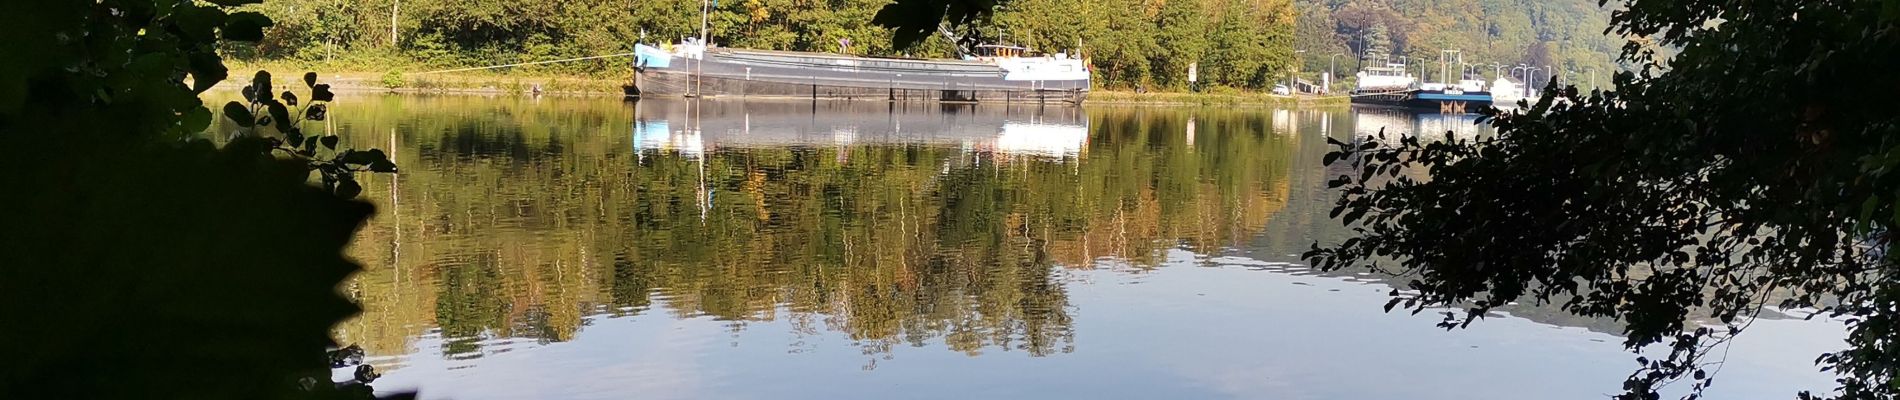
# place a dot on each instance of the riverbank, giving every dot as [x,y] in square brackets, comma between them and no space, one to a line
[464,82]
[491,83]
[1216,99]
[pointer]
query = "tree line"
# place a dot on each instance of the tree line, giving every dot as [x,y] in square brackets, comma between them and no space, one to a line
[1566,35]
[1147,44]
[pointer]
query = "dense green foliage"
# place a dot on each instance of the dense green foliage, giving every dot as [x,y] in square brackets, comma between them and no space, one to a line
[1756,168]
[1239,43]
[1567,35]
[136,260]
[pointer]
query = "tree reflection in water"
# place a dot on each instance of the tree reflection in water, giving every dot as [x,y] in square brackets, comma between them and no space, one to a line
[891,225]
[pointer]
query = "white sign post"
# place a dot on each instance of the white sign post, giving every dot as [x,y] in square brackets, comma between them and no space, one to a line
[1194,72]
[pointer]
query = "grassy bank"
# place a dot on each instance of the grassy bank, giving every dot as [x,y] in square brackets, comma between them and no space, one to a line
[520,82]
[1214,99]
[406,79]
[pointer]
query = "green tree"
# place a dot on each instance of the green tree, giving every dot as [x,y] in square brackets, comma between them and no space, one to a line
[1736,176]
[1181,28]
[1488,32]
[1316,31]
[1252,41]
[140,260]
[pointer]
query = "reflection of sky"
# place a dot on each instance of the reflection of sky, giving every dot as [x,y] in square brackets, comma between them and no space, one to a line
[661,136]
[1046,140]
[1243,329]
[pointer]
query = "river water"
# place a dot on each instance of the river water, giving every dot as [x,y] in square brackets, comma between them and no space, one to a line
[593,249]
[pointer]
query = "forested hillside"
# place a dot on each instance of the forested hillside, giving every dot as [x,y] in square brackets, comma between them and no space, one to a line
[1567,35]
[1146,43]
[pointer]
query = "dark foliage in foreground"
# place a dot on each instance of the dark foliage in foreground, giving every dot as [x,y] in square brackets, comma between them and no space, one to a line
[1755,169]
[913,20]
[137,261]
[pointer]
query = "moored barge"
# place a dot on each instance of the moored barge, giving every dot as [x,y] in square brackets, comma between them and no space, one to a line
[1004,74]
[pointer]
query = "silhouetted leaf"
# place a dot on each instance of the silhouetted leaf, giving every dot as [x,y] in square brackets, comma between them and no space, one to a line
[321,92]
[310,79]
[206,71]
[347,188]
[315,112]
[260,83]
[290,99]
[279,112]
[1335,183]
[197,23]
[196,119]
[365,157]
[239,114]
[329,142]
[383,165]
[246,26]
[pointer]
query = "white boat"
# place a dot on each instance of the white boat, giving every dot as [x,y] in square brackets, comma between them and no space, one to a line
[1389,78]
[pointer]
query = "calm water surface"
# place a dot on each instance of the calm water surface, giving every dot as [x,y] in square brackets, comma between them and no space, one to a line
[593,249]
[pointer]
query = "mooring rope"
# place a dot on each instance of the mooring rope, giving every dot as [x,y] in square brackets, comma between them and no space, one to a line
[527,63]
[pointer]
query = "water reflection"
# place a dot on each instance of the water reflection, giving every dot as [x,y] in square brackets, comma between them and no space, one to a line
[1396,123]
[694,128]
[581,248]
[891,227]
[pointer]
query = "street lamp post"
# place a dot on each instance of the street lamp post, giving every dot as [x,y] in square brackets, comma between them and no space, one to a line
[1332,70]
[1530,75]
[1293,86]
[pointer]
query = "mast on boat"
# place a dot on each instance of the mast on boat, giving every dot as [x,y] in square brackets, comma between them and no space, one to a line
[705,7]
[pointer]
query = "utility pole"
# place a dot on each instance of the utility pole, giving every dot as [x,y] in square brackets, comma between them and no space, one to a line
[394,9]
[1446,58]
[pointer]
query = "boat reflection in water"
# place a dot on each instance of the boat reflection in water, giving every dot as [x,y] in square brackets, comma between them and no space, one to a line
[1396,123]
[692,129]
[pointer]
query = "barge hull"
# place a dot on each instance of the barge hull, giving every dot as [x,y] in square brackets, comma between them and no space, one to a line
[795,75]
[1427,101]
